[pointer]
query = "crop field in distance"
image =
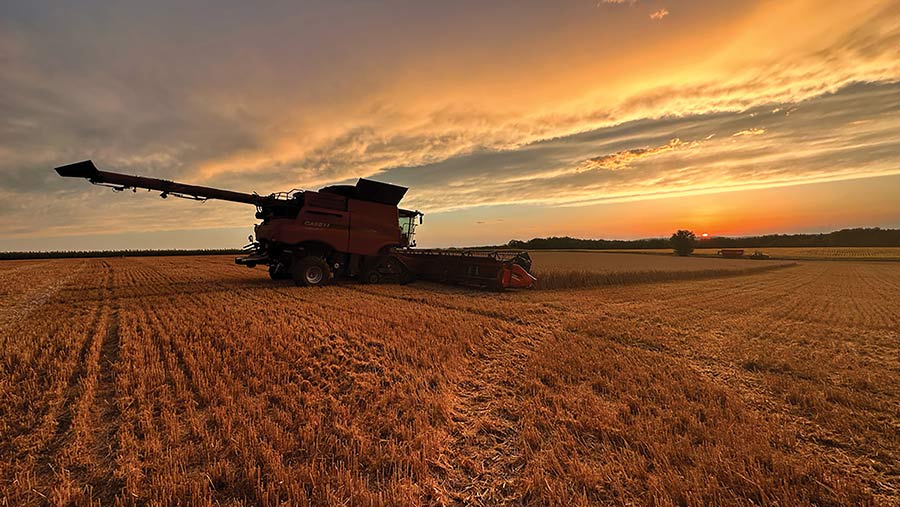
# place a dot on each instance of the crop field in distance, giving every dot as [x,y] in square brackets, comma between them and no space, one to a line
[790,253]
[622,380]
[567,270]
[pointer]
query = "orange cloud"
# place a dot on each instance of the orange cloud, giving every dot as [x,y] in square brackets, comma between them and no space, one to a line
[623,159]
[750,132]
[422,120]
[657,15]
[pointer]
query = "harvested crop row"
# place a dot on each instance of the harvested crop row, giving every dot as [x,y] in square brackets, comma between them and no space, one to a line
[559,279]
[601,262]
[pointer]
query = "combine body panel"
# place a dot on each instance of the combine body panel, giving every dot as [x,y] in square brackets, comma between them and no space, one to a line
[352,231]
[329,219]
[376,228]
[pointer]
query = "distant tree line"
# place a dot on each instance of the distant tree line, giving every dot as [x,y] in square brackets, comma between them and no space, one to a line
[845,237]
[112,253]
[869,237]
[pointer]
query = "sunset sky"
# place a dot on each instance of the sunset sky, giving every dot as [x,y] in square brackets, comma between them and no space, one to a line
[595,118]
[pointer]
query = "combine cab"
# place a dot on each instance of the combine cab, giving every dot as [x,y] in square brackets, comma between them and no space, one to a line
[349,231]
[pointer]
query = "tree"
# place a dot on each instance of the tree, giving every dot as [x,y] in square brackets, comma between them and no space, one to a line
[683,242]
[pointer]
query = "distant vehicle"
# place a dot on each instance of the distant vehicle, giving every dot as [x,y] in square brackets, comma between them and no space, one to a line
[759,255]
[731,253]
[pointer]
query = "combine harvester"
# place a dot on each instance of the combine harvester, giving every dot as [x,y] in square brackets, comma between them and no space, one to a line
[345,231]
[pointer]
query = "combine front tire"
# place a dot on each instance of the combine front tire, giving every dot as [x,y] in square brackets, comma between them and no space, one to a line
[311,271]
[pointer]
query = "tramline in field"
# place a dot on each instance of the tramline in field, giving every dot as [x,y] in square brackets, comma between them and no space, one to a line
[353,231]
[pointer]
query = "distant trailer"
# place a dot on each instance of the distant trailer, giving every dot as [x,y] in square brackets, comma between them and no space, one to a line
[731,253]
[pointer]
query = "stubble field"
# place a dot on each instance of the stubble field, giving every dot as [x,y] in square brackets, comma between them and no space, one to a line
[191,381]
[576,269]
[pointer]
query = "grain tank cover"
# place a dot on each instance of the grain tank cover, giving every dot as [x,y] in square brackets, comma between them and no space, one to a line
[369,190]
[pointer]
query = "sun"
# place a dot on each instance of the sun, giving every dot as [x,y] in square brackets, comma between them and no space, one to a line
[704,235]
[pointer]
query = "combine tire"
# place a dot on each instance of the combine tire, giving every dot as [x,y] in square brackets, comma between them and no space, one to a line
[311,271]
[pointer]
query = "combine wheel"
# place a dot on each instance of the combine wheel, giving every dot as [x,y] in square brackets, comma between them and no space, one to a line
[372,277]
[311,271]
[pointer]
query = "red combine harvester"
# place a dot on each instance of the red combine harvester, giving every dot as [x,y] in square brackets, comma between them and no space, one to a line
[731,253]
[351,231]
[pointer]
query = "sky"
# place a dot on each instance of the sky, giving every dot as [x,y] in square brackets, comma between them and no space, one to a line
[506,119]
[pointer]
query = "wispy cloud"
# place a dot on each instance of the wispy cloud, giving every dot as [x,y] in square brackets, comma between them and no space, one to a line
[750,132]
[659,14]
[624,159]
[641,162]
